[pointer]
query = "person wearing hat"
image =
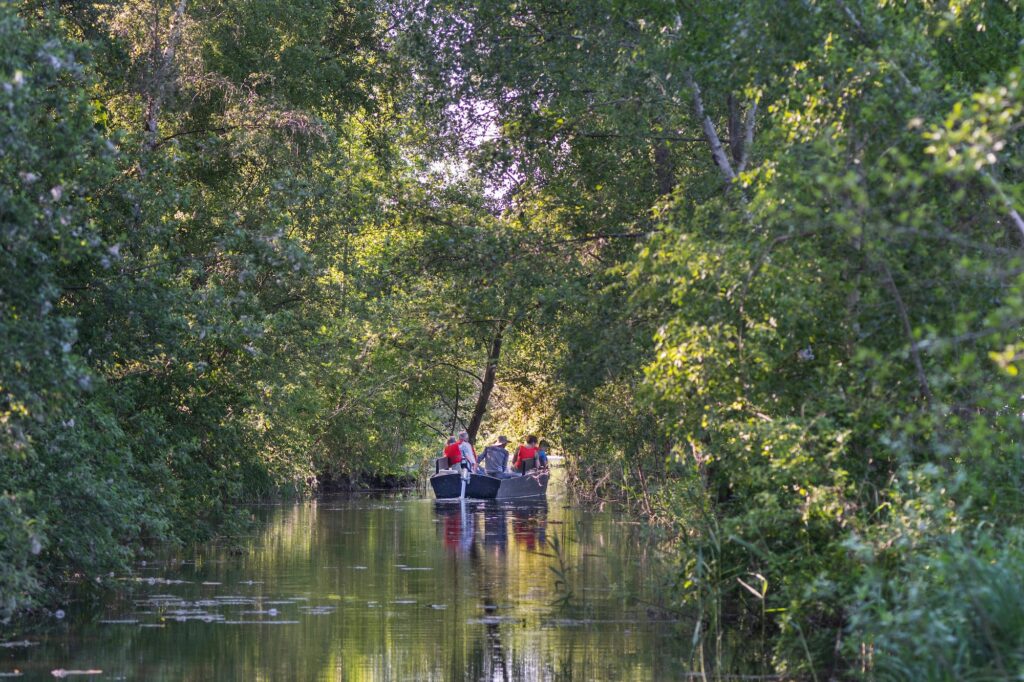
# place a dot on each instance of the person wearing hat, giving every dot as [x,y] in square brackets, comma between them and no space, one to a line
[495,459]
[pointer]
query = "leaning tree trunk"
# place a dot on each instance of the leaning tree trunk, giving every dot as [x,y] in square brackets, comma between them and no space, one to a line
[488,383]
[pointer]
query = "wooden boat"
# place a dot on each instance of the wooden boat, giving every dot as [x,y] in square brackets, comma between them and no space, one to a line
[447,484]
[531,485]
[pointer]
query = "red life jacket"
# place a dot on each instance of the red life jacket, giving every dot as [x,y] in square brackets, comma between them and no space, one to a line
[453,454]
[526,452]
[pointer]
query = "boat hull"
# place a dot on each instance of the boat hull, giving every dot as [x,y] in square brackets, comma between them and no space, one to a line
[447,485]
[533,484]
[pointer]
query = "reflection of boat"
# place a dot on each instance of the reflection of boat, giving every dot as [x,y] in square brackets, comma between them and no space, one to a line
[458,527]
[447,484]
[459,524]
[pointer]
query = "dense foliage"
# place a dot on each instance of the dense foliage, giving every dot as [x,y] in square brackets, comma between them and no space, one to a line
[756,268]
[226,273]
[809,367]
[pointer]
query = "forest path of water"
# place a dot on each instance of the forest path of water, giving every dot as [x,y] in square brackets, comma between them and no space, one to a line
[385,588]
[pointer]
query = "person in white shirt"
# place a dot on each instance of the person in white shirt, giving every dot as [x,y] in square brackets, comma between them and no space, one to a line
[468,453]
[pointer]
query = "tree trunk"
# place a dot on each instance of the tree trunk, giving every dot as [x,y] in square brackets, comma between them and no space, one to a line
[488,383]
[162,70]
[735,130]
[707,125]
[664,169]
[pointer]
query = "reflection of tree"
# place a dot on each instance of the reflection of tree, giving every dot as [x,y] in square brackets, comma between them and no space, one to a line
[491,574]
[486,569]
[497,576]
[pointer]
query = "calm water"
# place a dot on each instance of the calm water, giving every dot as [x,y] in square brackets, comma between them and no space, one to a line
[402,589]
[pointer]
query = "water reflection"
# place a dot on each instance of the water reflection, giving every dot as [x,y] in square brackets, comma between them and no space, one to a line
[529,522]
[460,522]
[360,589]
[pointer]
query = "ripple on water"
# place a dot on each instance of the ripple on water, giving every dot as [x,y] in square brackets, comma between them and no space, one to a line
[162,581]
[205,618]
[494,620]
[61,672]
[318,610]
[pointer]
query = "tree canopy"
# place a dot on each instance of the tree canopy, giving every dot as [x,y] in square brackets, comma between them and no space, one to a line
[754,268]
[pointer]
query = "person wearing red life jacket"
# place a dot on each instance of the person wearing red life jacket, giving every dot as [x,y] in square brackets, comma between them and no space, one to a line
[524,453]
[452,452]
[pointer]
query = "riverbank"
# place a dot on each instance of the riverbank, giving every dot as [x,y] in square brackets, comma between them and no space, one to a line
[330,485]
[41,600]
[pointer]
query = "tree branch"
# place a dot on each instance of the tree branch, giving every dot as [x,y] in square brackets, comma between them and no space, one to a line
[1010,209]
[710,134]
[748,136]
[162,72]
[908,330]
[761,259]
[764,257]
[461,369]
[639,136]
[941,343]
[596,237]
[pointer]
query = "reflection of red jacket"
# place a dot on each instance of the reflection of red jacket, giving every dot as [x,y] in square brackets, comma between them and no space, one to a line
[525,532]
[525,452]
[453,454]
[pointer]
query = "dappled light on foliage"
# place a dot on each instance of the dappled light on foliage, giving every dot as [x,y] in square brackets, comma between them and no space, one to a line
[754,268]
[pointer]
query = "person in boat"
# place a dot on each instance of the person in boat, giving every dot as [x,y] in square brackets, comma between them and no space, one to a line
[453,453]
[542,454]
[467,452]
[524,453]
[495,459]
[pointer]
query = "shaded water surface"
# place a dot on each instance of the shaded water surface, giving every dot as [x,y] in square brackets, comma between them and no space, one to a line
[405,589]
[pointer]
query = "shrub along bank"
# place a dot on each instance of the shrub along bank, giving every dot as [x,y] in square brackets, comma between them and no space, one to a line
[196,237]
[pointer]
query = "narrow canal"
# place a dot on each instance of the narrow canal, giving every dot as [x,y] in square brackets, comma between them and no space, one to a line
[361,587]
